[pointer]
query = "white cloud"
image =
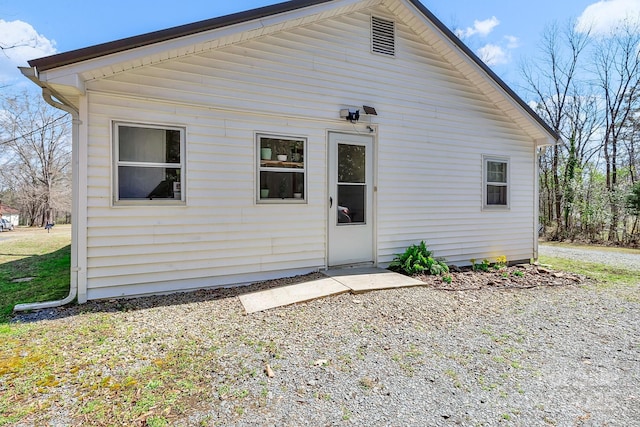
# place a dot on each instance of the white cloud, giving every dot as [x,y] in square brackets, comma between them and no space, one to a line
[20,42]
[493,54]
[603,17]
[482,28]
[512,42]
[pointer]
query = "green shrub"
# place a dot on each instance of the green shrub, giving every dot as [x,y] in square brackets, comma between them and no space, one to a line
[483,266]
[633,199]
[417,259]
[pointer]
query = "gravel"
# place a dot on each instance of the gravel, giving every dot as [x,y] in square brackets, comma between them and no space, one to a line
[630,261]
[563,353]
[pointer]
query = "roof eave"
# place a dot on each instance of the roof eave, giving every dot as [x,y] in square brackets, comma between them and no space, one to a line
[103,49]
[485,68]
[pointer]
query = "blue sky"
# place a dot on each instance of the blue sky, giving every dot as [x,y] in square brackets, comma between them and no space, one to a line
[500,31]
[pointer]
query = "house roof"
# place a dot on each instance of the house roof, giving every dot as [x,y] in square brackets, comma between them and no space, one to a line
[92,52]
[8,210]
[122,45]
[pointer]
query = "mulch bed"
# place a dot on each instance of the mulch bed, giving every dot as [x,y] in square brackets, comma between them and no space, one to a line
[522,276]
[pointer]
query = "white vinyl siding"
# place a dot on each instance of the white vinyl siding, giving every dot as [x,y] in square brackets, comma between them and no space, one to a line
[433,127]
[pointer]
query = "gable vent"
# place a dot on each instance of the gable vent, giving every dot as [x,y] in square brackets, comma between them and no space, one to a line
[383,37]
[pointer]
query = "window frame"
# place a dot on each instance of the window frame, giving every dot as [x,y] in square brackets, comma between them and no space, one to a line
[116,163]
[486,159]
[272,169]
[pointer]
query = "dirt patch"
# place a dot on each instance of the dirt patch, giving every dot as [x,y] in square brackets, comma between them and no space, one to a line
[522,276]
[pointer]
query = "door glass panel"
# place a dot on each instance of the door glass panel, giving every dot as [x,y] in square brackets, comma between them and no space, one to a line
[351,163]
[352,204]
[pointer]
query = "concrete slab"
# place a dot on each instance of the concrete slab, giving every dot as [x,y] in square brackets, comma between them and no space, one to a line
[286,295]
[371,279]
[338,281]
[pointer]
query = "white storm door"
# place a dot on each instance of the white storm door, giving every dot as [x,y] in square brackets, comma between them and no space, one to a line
[350,199]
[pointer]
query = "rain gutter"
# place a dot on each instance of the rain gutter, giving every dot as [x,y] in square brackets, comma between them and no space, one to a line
[53,99]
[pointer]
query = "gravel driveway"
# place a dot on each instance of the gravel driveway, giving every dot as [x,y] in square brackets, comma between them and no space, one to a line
[629,261]
[565,356]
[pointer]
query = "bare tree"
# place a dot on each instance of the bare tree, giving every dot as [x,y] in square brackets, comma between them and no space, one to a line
[582,124]
[560,101]
[631,138]
[36,155]
[617,68]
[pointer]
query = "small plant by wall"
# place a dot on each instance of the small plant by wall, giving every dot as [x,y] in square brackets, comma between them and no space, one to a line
[486,265]
[417,259]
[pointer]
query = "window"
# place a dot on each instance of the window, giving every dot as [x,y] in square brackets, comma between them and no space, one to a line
[281,169]
[496,182]
[149,162]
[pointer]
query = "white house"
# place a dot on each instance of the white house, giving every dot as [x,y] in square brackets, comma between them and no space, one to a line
[282,140]
[10,214]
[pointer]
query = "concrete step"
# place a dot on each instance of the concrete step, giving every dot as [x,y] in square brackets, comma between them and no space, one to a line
[338,281]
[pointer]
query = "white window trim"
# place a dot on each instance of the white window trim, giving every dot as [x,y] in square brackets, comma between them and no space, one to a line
[115,124]
[259,169]
[499,159]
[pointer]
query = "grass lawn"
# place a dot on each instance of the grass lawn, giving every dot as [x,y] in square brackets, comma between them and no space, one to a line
[604,275]
[34,266]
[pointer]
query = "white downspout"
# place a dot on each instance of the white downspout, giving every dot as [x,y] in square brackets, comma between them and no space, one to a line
[536,199]
[75,130]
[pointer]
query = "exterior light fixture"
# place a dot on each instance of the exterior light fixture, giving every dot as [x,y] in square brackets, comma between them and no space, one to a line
[350,114]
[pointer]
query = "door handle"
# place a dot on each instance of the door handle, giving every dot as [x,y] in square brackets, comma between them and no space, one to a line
[330,202]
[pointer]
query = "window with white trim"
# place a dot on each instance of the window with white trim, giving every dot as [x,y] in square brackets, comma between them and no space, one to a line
[149,162]
[496,182]
[281,169]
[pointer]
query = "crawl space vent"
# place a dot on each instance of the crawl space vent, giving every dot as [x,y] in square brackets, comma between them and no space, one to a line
[383,38]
